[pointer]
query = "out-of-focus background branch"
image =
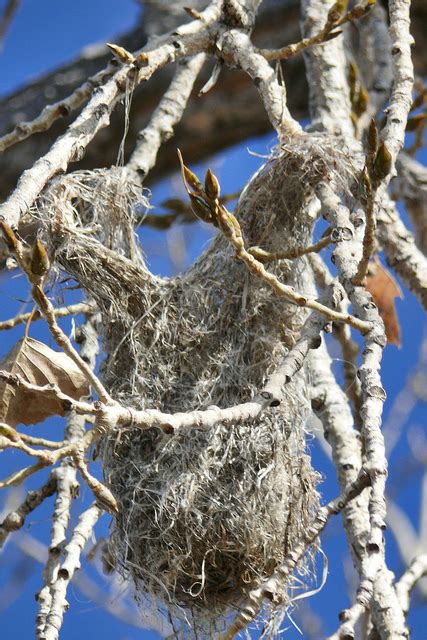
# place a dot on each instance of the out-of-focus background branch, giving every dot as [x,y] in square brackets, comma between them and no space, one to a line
[230,112]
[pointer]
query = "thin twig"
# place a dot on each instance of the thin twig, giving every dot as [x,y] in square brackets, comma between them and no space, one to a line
[95,116]
[61,312]
[324,35]
[167,115]
[60,109]
[291,254]
[416,570]
[62,340]
[16,519]
[7,17]
[72,553]
[342,332]
[258,269]
[369,238]
[12,434]
[67,485]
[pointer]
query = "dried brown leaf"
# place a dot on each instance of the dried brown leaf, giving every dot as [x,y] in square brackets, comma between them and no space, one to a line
[384,289]
[37,364]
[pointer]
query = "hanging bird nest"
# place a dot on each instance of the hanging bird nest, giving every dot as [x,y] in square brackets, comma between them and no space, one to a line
[204,515]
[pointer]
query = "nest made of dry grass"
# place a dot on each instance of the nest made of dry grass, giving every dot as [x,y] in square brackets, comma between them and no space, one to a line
[205,515]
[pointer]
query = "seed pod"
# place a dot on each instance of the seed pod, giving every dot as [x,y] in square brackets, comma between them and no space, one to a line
[39,259]
[212,187]
[382,163]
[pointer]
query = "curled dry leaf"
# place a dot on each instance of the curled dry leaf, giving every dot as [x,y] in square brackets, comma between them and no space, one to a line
[38,364]
[384,289]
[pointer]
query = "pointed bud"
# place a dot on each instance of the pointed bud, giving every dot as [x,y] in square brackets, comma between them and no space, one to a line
[353,79]
[9,236]
[121,54]
[212,187]
[353,73]
[200,208]
[332,35]
[192,180]
[372,147]
[336,11]
[361,10]
[141,60]
[39,259]
[189,178]
[383,162]
[372,139]
[361,102]
[193,13]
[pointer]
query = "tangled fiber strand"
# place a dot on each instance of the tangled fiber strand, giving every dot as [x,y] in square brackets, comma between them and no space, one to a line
[205,515]
[99,203]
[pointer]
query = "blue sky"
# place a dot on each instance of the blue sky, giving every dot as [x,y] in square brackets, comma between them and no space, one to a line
[43,35]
